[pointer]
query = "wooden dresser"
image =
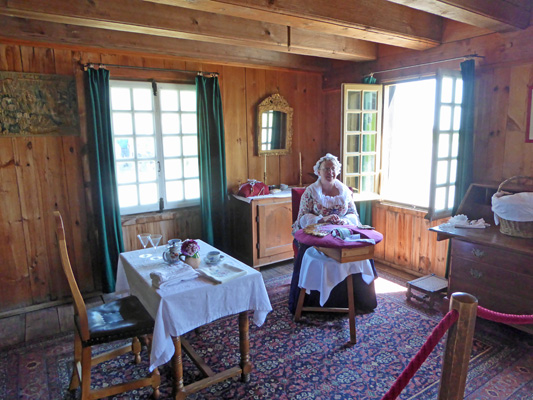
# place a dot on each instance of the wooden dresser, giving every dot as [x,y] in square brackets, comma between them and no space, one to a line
[261,229]
[495,268]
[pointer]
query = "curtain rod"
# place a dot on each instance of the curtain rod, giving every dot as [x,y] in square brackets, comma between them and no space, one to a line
[465,57]
[102,65]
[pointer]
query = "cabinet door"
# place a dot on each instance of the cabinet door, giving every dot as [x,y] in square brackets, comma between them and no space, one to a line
[274,225]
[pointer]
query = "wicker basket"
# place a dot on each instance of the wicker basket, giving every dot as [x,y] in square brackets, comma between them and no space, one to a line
[516,228]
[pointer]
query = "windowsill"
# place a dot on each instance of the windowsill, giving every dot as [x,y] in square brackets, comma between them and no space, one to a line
[402,206]
[365,197]
[154,216]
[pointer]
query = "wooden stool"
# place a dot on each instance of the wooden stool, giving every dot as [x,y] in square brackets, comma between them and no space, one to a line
[431,285]
[350,310]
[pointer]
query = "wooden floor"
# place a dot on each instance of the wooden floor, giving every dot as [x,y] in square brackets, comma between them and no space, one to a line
[56,319]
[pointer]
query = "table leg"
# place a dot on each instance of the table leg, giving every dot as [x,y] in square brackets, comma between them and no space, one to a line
[351,309]
[244,343]
[177,370]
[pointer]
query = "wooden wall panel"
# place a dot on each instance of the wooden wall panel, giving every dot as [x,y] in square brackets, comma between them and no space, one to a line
[407,243]
[42,174]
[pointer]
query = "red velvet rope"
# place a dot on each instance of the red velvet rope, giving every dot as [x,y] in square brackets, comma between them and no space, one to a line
[414,365]
[504,318]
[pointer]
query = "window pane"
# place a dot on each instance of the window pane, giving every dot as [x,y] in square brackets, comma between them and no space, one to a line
[173,169]
[370,101]
[370,122]
[142,99]
[352,182]
[459,91]
[455,145]
[445,122]
[127,196]
[120,99]
[457,118]
[354,100]
[144,124]
[174,190]
[440,199]
[369,163]
[192,189]
[148,193]
[352,166]
[352,143]
[442,172]
[444,145]
[190,167]
[190,146]
[147,171]
[172,146]
[368,184]
[188,100]
[451,197]
[169,100]
[122,124]
[126,172]
[145,147]
[447,89]
[353,122]
[453,171]
[124,148]
[170,123]
[188,123]
[369,142]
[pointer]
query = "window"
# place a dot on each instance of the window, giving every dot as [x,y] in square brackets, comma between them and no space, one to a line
[155,145]
[419,147]
[361,138]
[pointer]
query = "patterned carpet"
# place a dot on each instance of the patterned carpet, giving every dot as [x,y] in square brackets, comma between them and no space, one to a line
[306,360]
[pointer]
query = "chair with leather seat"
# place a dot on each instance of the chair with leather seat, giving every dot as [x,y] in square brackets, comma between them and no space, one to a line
[124,318]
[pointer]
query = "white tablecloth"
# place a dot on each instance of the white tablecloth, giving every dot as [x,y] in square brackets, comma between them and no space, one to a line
[322,273]
[183,307]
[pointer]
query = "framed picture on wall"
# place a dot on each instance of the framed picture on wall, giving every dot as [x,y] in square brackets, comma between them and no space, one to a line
[529,121]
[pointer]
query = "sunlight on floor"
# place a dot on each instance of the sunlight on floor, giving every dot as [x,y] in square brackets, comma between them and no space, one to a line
[386,286]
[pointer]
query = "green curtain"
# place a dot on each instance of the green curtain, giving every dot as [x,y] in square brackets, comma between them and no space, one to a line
[465,156]
[364,208]
[106,206]
[212,160]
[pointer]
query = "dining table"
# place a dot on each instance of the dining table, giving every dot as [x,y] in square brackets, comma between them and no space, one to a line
[182,307]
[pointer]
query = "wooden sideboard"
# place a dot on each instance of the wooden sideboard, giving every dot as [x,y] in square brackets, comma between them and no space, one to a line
[261,230]
[495,268]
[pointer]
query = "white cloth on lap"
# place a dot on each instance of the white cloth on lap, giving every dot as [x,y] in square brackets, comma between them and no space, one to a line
[172,274]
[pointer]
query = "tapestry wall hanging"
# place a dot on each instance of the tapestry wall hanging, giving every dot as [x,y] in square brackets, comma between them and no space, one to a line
[37,104]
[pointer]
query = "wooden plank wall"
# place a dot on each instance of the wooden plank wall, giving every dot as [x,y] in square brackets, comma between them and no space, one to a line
[42,174]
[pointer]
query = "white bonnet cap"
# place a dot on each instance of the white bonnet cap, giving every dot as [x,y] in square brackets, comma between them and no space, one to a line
[328,157]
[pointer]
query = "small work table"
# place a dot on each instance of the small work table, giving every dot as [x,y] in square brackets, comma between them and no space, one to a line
[180,308]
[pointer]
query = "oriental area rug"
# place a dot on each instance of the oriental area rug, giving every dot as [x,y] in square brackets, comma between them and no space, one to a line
[305,360]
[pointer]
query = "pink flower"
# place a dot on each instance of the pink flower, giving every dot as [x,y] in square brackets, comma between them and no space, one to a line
[190,248]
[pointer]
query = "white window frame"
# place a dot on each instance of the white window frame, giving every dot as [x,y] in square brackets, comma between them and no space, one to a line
[449,159]
[159,157]
[374,175]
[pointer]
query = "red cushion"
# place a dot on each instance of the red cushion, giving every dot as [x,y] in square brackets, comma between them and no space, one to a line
[330,241]
[296,197]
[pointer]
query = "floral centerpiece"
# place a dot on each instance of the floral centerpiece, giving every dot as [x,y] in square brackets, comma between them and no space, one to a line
[190,248]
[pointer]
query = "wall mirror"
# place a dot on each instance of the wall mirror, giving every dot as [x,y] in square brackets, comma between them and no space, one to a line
[274,126]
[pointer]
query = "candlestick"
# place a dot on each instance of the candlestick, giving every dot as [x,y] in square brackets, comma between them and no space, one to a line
[300,155]
[265,171]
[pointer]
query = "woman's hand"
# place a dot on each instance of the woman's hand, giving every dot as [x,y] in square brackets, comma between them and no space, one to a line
[333,219]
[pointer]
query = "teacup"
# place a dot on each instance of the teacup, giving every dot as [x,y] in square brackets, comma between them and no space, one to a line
[171,257]
[213,257]
[174,245]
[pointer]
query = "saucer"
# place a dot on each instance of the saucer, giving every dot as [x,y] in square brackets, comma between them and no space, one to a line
[214,262]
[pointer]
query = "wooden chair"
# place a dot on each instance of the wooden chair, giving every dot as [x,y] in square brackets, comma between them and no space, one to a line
[124,318]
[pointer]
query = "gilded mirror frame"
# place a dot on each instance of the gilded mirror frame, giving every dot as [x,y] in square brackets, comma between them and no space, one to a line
[275,102]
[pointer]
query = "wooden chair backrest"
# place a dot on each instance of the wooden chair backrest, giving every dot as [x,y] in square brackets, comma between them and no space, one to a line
[79,303]
[296,197]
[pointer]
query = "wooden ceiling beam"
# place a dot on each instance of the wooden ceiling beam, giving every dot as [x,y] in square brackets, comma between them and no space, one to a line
[495,15]
[377,21]
[173,22]
[77,37]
